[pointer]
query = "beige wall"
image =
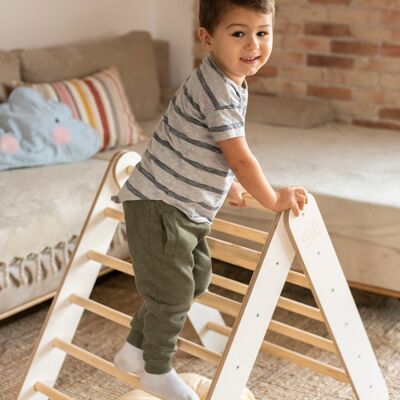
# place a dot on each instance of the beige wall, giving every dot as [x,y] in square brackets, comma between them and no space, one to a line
[39,23]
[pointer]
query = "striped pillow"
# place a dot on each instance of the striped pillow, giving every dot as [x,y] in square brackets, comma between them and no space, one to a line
[100,101]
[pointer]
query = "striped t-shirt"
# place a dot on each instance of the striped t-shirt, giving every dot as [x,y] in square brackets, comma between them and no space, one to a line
[183,164]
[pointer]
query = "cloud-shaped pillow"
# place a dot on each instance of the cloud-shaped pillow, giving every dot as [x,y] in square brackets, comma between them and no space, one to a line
[34,131]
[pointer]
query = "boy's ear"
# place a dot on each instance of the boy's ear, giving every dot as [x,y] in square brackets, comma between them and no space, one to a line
[205,38]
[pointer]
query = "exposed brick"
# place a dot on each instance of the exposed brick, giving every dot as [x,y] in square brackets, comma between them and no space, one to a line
[375,32]
[293,88]
[329,92]
[326,29]
[280,57]
[376,96]
[390,50]
[287,27]
[381,64]
[301,73]
[344,2]
[359,48]
[377,124]
[306,44]
[297,12]
[353,78]
[329,61]
[390,81]
[354,15]
[389,113]
[269,71]
[390,17]
[354,109]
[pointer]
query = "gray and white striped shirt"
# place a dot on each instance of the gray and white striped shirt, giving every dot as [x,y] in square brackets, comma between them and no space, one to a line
[183,164]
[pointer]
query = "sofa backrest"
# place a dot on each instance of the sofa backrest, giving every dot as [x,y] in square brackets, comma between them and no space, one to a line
[139,59]
[9,70]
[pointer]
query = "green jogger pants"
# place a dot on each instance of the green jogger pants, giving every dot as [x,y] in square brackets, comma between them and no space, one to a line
[172,266]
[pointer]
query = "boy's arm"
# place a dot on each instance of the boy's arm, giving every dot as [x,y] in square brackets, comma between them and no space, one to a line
[248,171]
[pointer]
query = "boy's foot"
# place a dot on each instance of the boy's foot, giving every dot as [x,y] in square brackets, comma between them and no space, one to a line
[129,359]
[169,386]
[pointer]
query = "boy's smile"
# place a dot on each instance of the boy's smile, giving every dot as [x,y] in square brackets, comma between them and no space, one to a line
[241,43]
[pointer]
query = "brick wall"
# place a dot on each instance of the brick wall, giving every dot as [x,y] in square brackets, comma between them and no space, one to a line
[345,52]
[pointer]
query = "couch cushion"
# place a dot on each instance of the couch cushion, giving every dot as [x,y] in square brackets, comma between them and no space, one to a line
[9,71]
[132,53]
[297,113]
[353,173]
[100,101]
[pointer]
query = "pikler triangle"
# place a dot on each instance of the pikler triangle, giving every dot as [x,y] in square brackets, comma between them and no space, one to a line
[232,349]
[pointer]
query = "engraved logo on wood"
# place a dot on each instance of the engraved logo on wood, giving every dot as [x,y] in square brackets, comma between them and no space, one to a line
[311,232]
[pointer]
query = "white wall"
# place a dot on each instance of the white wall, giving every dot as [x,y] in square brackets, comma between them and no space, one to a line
[40,23]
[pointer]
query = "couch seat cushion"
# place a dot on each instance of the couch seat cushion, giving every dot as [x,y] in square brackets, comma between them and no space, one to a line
[42,206]
[352,171]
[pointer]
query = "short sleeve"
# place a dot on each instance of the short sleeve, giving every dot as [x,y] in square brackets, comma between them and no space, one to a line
[225,123]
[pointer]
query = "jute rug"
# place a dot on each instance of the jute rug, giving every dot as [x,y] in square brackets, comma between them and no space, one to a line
[272,378]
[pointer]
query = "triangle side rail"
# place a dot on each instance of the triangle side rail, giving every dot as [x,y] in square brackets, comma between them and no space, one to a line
[331,291]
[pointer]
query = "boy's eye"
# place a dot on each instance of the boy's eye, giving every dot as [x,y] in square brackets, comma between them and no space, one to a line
[238,34]
[261,34]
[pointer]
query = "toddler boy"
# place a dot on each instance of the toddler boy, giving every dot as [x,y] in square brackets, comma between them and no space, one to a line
[188,169]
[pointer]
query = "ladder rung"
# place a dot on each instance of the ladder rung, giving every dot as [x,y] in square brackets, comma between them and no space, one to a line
[232,307]
[51,393]
[95,361]
[240,231]
[112,262]
[233,253]
[113,213]
[125,320]
[302,336]
[293,356]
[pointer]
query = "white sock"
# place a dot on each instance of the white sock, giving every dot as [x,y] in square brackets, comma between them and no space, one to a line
[129,359]
[169,386]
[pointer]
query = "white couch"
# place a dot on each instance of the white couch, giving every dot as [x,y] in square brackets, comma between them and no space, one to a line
[353,172]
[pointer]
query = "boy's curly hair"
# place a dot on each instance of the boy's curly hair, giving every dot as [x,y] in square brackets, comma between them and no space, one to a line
[211,11]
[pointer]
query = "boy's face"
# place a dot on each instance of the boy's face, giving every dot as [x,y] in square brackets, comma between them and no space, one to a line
[241,43]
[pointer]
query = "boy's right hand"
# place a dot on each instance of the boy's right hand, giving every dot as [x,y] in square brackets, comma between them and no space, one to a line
[293,198]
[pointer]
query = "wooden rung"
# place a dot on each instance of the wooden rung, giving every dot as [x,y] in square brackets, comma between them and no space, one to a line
[199,351]
[293,356]
[232,307]
[125,320]
[230,284]
[233,253]
[51,393]
[240,231]
[302,336]
[300,308]
[113,213]
[112,262]
[299,279]
[95,361]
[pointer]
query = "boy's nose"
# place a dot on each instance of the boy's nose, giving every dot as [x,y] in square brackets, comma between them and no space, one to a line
[252,44]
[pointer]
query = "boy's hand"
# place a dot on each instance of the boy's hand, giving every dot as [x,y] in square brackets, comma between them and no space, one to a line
[235,195]
[292,198]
